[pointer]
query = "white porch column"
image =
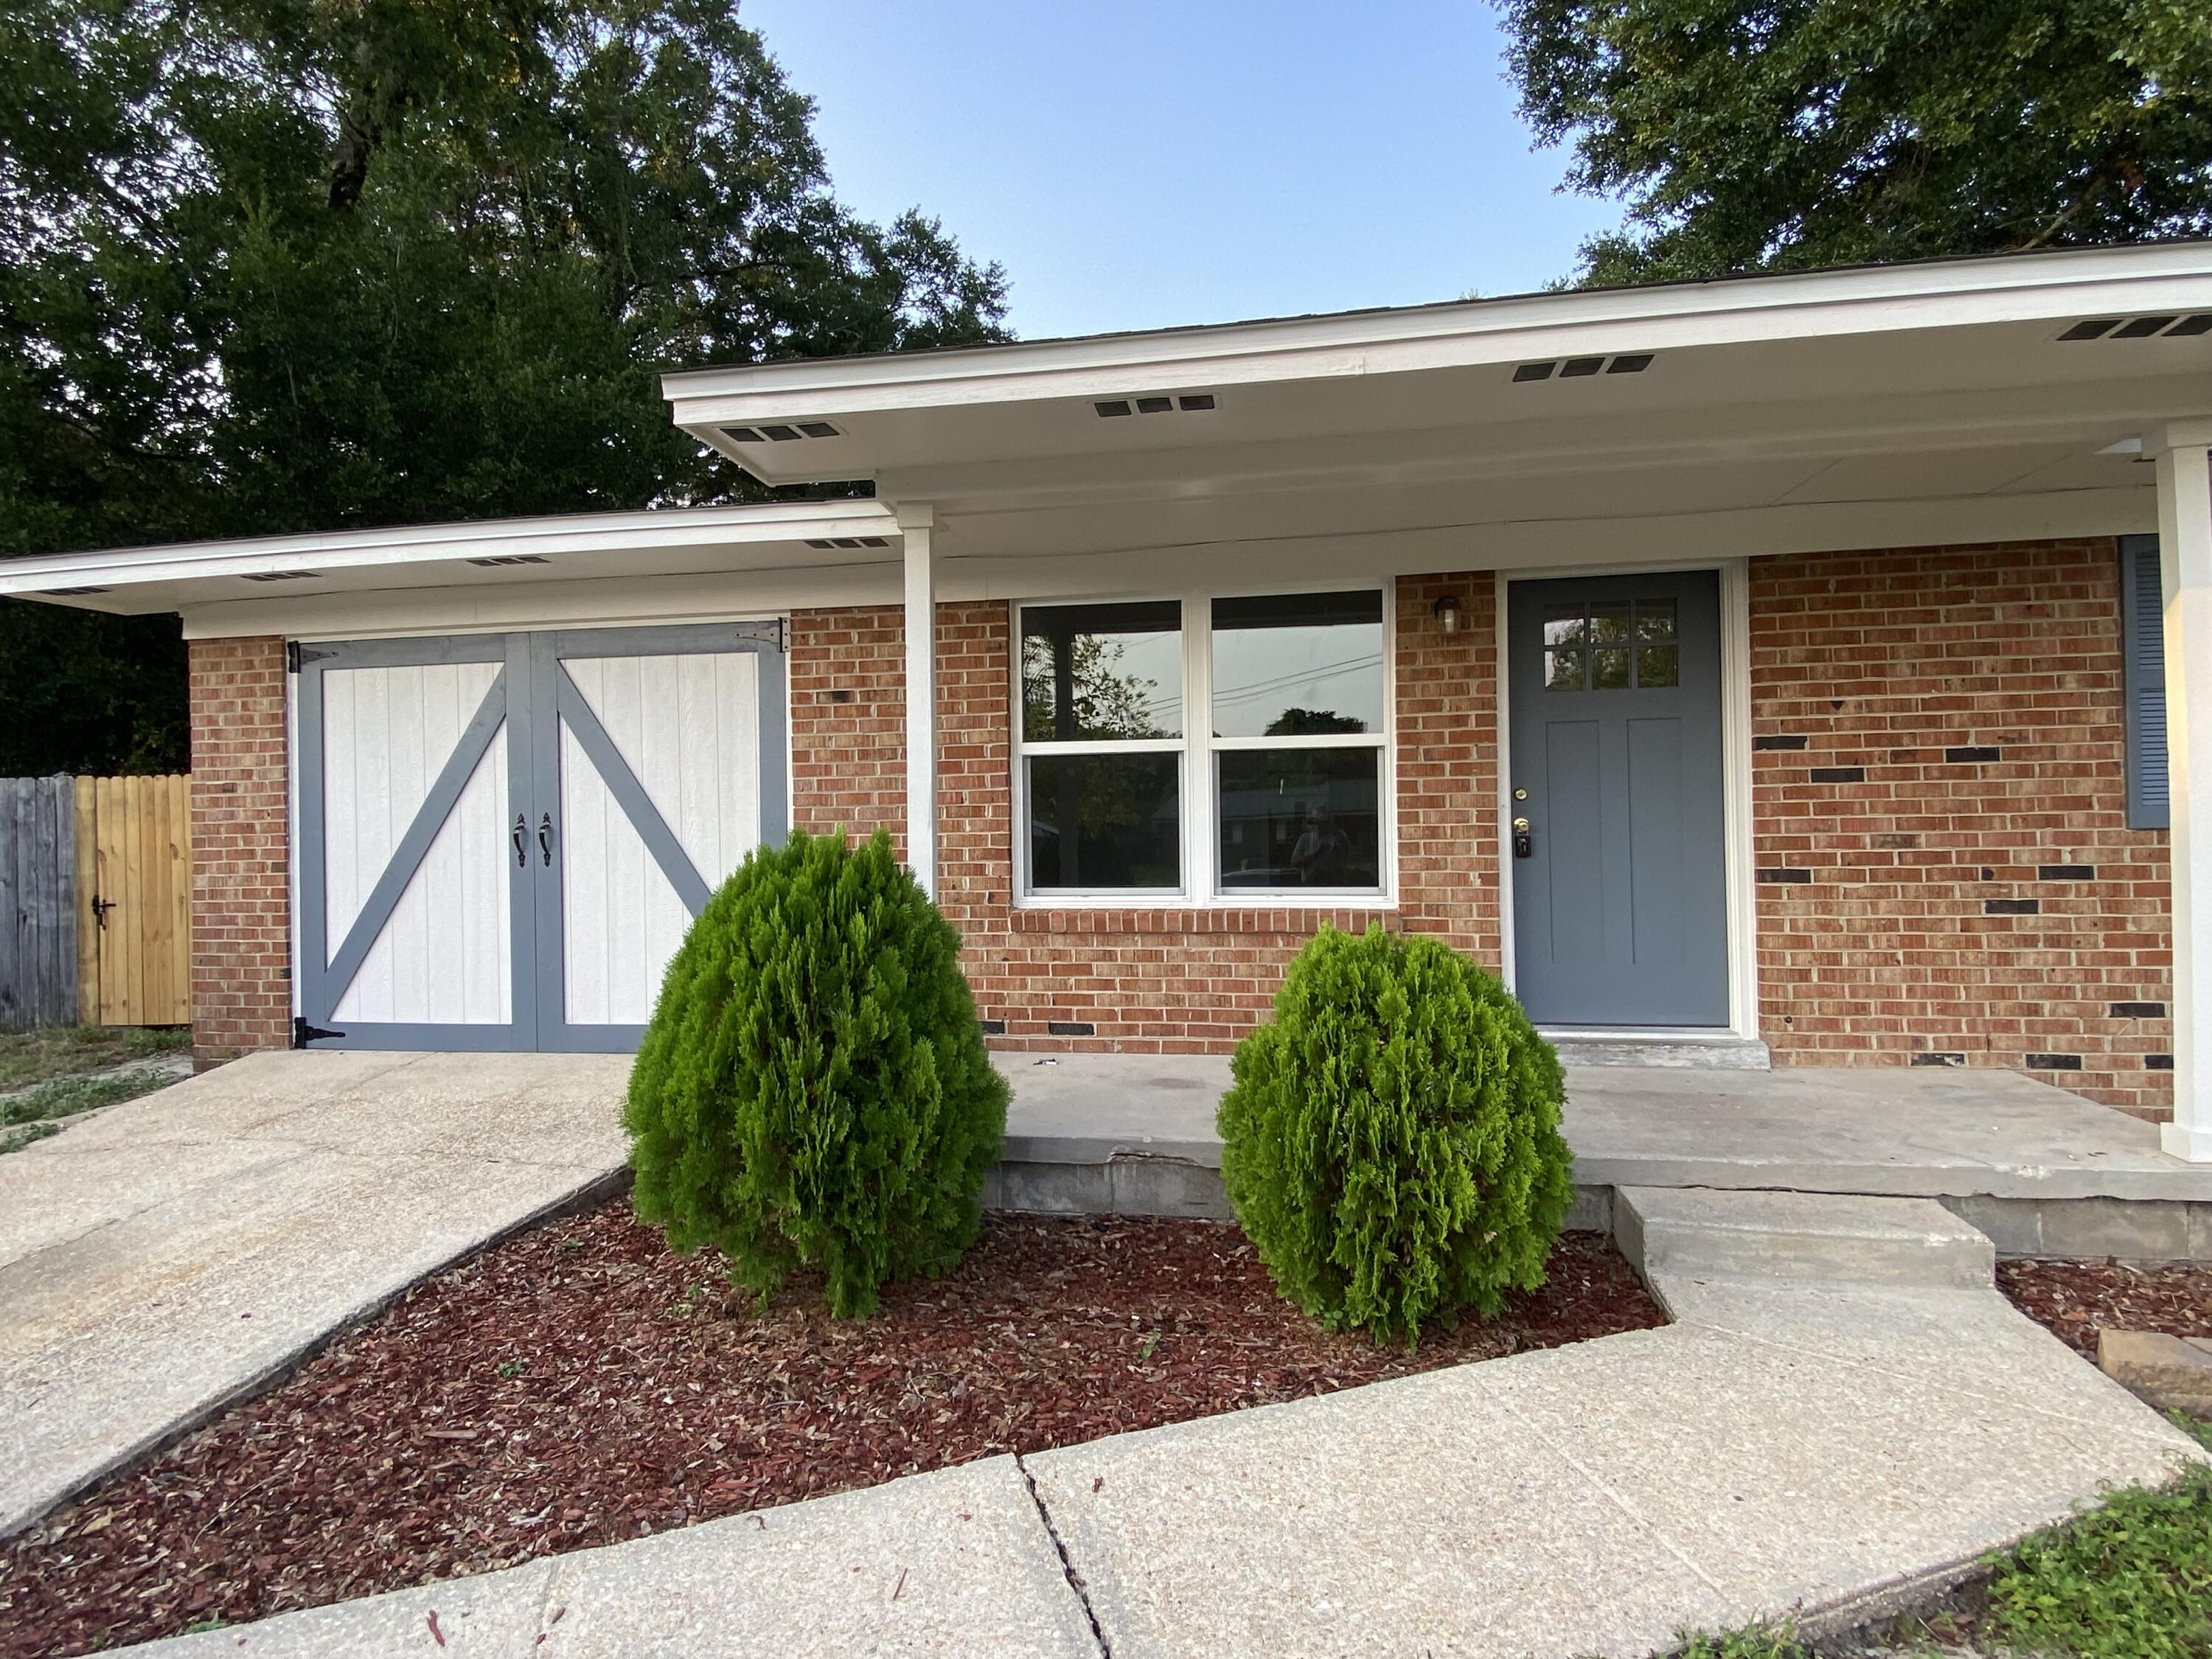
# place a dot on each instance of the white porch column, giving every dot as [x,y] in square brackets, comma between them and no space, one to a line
[2184,544]
[916,520]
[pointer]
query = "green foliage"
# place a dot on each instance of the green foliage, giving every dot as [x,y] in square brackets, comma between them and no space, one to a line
[66,1050]
[1758,1642]
[2131,1579]
[66,1097]
[1746,135]
[1391,1140]
[813,1090]
[270,266]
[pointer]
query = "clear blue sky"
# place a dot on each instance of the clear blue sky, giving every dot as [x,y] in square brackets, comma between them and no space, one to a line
[1140,164]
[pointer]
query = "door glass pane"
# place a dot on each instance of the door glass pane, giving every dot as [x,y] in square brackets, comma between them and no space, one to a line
[1297,666]
[1563,624]
[1609,668]
[1105,821]
[1563,670]
[1102,671]
[1655,619]
[1301,817]
[1659,664]
[1608,622]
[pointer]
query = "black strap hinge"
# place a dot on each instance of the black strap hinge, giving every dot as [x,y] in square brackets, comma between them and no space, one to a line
[303,1034]
[298,656]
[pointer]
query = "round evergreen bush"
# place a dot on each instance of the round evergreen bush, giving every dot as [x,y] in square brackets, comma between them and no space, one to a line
[1391,1140]
[813,1089]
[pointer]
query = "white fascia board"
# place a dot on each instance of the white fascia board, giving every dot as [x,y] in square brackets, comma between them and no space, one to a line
[751,523]
[1962,293]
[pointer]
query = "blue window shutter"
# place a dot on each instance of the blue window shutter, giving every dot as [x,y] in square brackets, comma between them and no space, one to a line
[2142,633]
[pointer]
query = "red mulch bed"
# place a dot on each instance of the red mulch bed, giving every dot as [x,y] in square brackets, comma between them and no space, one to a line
[2074,1300]
[579,1385]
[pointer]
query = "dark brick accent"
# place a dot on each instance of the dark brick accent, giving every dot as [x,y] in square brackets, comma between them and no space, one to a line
[1794,740]
[2011,906]
[2138,1011]
[1070,1028]
[994,1027]
[1793,878]
[2052,1062]
[1974,752]
[1839,775]
[2158,1062]
[2066,873]
[1939,1057]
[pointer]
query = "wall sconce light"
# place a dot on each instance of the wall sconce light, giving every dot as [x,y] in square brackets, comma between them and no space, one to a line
[1447,614]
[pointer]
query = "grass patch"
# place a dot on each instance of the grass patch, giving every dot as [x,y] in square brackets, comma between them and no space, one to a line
[14,1140]
[58,1051]
[2129,1579]
[66,1097]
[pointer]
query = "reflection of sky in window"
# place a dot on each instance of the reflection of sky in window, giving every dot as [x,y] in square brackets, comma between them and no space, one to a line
[1260,672]
[1153,665]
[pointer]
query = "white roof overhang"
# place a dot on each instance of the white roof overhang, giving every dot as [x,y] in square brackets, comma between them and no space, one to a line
[471,560]
[1941,380]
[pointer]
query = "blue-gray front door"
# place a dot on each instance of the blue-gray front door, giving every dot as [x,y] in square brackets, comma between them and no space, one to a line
[1620,900]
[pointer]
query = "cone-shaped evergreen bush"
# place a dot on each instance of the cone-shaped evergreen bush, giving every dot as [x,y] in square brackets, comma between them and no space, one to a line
[813,1090]
[1391,1140]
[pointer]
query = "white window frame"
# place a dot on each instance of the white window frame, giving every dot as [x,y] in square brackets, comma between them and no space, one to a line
[1199,776]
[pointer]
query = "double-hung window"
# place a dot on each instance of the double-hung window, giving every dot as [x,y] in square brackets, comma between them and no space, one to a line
[1218,748]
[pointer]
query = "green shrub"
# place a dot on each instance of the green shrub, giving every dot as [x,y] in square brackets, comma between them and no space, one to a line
[813,1089]
[1391,1140]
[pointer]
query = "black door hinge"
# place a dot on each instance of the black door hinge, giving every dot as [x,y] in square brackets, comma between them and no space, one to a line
[298,656]
[303,1034]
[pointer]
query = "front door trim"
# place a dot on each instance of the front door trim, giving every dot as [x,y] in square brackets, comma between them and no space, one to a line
[1737,875]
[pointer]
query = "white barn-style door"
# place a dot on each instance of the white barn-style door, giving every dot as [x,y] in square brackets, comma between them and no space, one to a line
[502,838]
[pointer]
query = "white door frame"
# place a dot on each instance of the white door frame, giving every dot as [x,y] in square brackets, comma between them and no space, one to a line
[1738,878]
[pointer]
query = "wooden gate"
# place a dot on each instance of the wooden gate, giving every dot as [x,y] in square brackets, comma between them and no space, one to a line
[38,903]
[134,884]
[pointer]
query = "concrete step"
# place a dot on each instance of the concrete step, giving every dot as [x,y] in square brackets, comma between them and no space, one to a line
[1694,1231]
[1689,1051]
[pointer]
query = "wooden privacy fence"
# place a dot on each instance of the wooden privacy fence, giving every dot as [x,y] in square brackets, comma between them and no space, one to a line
[96,878]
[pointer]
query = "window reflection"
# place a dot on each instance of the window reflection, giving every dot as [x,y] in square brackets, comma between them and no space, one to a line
[1302,665]
[1102,671]
[1105,821]
[1301,817]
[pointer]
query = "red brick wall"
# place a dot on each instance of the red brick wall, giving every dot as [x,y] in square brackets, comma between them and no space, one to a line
[1913,911]
[1151,979]
[242,907]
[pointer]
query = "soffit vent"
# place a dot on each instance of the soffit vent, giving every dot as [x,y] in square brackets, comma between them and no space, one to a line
[68,592]
[282,576]
[492,559]
[2169,325]
[780,432]
[1189,403]
[848,541]
[1578,369]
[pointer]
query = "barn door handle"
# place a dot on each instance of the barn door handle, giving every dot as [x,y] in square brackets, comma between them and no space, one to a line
[545,838]
[521,833]
[101,906]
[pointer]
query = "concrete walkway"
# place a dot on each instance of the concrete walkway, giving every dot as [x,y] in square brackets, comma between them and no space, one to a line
[1817,1441]
[170,1253]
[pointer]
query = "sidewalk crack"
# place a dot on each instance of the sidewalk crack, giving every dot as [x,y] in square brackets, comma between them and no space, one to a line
[1066,1562]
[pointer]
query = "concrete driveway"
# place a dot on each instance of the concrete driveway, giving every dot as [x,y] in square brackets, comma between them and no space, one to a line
[172,1253]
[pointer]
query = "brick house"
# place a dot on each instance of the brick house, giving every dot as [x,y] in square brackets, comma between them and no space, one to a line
[1766,671]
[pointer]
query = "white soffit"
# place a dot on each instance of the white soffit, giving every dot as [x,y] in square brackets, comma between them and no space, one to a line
[490,554]
[1955,326]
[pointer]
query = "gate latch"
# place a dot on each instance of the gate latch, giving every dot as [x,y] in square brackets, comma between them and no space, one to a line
[101,906]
